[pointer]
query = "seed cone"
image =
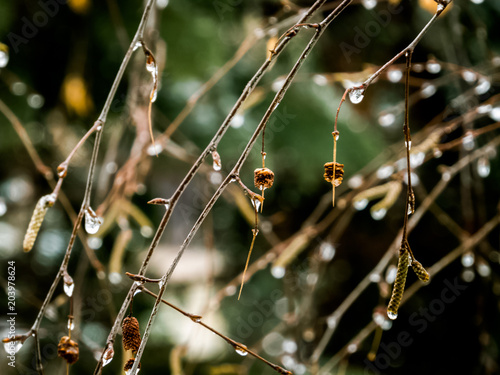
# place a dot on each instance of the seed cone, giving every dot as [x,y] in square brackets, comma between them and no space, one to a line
[131,334]
[36,221]
[129,364]
[339,173]
[68,349]
[263,178]
[420,271]
[399,284]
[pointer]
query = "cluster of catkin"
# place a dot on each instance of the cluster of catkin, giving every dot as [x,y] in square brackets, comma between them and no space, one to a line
[131,338]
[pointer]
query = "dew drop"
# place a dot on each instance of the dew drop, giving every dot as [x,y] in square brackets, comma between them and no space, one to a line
[278,84]
[355,181]
[320,79]
[417,159]
[68,289]
[485,108]
[378,214]
[386,119]
[469,76]
[467,259]
[12,347]
[394,75]
[476,1]
[385,171]
[256,203]
[237,121]
[392,315]
[155,149]
[408,145]
[360,204]
[418,68]
[390,274]
[161,4]
[483,167]
[369,4]
[378,318]
[4,56]
[230,290]
[137,45]
[278,272]
[215,178]
[468,275]
[495,114]
[92,222]
[115,278]
[387,325]
[108,356]
[241,350]
[71,324]
[468,142]
[356,95]
[352,348]
[427,90]
[147,231]
[446,176]
[331,321]
[483,86]
[484,269]
[35,101]
[18,88]
[374,277]
[217,163]
[433,67]
[137,291]
[437,153]
[326,251]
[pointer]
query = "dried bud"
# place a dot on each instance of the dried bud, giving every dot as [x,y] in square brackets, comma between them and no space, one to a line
[131,334]
[339,173]
[129,364]
[263,178]
[420,271]
[68,349]
[36,220]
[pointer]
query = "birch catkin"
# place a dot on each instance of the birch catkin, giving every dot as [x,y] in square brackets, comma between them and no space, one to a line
[420,271]
[36,220]
[399,284]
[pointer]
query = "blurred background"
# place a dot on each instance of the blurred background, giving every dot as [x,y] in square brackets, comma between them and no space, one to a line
[316,294]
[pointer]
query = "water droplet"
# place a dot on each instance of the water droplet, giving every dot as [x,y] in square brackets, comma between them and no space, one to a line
[427,90]
[468,142]
[256,203]
[446,176]
[241,350]
[476,1]
[378,214]
[278,84]
[161,4]
[414,179]
[147,231]
[484,269]
[230,290]
[386,119]
[92,222]
[215,178]
[137,45]
[115,278]
[331,322]
[289,346]
[394,75]
[237,121]
[326,251]
[355,181]
[356,95]
[278,272]
[417,159]
[467,259]
[369,4]
[408,144]
[437,153]
[495,113]
[259,33]
[312,279]
[390,274]
[137,291]
[12,347]
[433,67]
[374,277]
[483,167]
[320,79]
[378,318]
[71,324]
[418,68]
[410,209]
[217,163]
[360,204]
[3,206]
[392,315]
[387,325]
[108,356]
[468,275]
[155,149]
[469,76]
[485,108]
[4,56]
[352,348]
[35,101]
[18,88]
[483,86]
[68,289]
[385,171]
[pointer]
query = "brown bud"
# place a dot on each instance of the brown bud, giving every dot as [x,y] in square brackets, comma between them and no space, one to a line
[263,178]
[129,364]
[339,173]
[68,349]
[131,334]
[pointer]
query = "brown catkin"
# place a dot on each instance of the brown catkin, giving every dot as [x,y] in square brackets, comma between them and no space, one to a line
[129,364]
[36,221]
[263,178]
[339,173]
[131,334]
[68,349]
[420,271]
[399,284]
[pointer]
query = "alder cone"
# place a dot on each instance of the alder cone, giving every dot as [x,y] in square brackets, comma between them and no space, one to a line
[68,349]
[263,178]
[130,363]
[131,334]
